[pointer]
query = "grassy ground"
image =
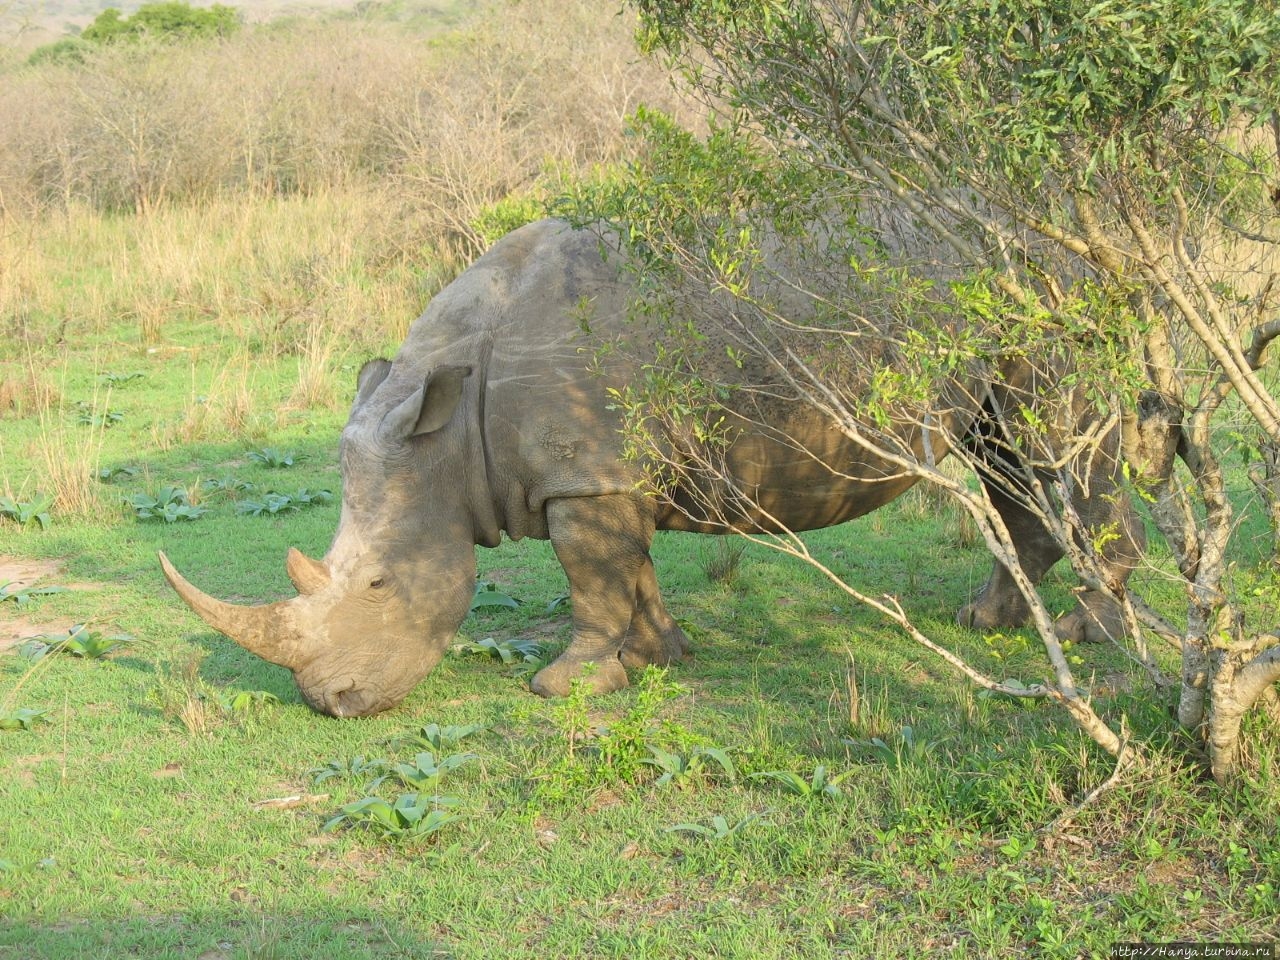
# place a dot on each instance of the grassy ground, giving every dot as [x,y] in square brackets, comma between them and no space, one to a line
[147,813]
[171,799]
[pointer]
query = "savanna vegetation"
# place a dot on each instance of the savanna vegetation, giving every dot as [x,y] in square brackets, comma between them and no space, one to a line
[201,239]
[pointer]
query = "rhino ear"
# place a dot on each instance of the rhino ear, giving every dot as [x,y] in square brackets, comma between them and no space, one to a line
[429,407]
[369,379]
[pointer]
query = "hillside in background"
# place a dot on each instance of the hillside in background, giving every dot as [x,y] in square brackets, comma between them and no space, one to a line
[27,24]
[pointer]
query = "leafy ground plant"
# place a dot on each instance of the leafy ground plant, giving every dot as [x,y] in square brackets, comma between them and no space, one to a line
[21,596]
[245,703]
[170,505]
[89,416]
[114,379]
[436,737]
[425,770]
[508,651]
[26,512]
[819,786]
[718,827]
[274,459]
[681,770]
[229,486]
[411,816]
[112,474]
[349,769]
[488,595]
[78,641]
[20,718]
[273,503]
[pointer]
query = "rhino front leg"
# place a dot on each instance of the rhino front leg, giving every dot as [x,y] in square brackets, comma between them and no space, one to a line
[654,636]
[603,545]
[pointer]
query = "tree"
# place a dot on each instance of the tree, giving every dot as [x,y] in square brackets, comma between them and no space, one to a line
[1088,190]
[168,20]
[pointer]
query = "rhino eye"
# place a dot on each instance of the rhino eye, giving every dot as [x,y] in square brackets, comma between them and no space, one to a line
[378,584]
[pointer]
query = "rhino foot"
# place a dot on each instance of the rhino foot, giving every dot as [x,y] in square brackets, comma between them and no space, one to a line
[1096,618]
[659,647]
[599,676]
[991,610]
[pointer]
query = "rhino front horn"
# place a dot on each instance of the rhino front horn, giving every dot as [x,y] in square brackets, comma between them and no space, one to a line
[266,630]
[308,576]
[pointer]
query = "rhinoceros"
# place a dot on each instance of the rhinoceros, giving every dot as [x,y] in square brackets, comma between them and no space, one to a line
[495,417]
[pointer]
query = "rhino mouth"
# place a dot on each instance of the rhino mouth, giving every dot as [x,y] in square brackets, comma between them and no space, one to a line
[345,698]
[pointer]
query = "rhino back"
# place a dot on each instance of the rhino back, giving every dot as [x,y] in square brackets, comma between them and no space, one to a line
[533,317]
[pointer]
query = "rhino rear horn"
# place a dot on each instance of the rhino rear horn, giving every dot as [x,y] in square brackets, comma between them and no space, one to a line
[267,630]
[308,576]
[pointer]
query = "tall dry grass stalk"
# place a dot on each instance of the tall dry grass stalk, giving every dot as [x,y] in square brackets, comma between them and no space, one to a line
[228,409]
[67,458]
[316,385]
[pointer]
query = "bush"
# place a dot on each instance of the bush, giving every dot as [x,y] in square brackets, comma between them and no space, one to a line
[168,20]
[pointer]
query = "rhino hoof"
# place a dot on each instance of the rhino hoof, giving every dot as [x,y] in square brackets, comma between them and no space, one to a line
[556,680]
[1096,619]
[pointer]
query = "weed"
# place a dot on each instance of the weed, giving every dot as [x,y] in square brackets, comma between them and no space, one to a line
[681,770]
[181,694]
[170,505]
[274,459]
[436,737]
[315,380]
[907,749]
[425,770]
[70,468]
[20,719]
[26,512]
[21,596]
[273,503]
[719,828]
[819,786]
[78,641]
[488,595]
[411,817]
[228,486]
[508,651]
[721,559]
[624,745]
[353,768]
[25,394]
[114,380]
[88,415]
[639,739]
[112,474]
[246,703]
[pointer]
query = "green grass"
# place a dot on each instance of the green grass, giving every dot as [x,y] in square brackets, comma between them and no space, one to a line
[132,821]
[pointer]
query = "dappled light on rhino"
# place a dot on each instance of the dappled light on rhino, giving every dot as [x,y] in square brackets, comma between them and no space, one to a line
[501,413]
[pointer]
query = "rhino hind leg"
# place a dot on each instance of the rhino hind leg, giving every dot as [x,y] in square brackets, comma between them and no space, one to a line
[654,636]
[1101,504]
[603,545]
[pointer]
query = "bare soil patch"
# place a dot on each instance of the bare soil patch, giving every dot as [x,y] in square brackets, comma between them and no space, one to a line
[25,573]
[21,572]
[14,630]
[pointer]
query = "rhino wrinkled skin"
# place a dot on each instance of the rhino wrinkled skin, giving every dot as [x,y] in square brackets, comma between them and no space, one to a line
[491,419]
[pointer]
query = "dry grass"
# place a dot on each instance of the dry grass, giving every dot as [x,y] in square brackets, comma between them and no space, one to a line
[458,122]
[24,391]
[228,409]
[316,386]
[68,456]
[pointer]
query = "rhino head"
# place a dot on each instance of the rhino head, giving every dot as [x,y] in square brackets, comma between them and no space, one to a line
[376,615]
